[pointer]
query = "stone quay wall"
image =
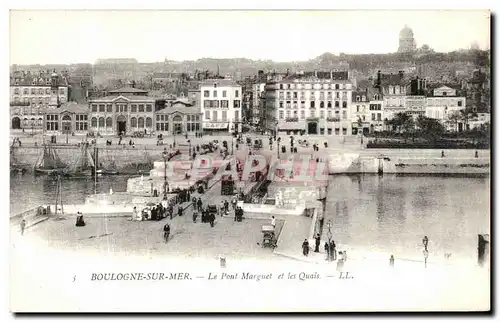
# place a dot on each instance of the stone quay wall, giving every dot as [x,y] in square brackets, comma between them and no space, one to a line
[415,161]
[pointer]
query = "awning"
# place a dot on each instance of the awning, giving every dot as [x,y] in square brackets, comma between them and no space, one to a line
[215,126]
[290,126]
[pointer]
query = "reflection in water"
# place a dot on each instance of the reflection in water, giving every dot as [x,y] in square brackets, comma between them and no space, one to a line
[393,213]
[390,213]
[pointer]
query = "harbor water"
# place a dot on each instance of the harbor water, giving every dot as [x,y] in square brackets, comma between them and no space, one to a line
[389,213]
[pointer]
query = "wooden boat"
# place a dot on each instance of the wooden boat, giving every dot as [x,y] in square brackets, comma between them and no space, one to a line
[15,165]
[82,165]
[48,162]
[108,166]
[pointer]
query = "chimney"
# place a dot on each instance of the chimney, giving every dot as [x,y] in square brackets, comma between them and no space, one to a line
[379,80]
[331,74]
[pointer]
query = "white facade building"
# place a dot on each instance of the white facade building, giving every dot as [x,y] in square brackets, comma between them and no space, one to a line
[314,106]
[221,105]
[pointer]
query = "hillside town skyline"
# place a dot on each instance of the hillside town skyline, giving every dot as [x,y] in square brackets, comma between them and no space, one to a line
[263,36]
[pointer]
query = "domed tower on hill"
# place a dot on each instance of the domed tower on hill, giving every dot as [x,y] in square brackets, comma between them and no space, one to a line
[406,41]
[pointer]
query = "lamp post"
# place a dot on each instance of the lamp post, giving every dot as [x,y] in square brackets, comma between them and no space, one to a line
[279,140]
[329,235]
[190,154]
[165,175]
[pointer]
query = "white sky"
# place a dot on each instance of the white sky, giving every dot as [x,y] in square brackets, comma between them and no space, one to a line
[46,37]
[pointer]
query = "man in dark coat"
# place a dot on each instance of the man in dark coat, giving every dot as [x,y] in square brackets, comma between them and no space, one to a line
[333,251]
[327,251]
[305,248]
[212,219]
[318,241]
[199,204]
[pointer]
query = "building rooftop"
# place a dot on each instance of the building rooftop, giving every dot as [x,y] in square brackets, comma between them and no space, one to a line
[73,107]
[132,98]
[180,107]
[127,90]
[220,83]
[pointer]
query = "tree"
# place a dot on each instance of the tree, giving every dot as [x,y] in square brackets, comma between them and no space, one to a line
[409,128]
[454,118]
[467,114]
[432,129]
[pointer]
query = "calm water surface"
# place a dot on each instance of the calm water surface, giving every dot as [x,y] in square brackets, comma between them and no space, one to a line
[389,213]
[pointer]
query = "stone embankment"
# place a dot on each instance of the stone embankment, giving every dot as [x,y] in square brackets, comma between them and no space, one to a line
[416,161]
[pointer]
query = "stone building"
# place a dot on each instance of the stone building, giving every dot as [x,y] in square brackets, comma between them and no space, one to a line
[179,118]
[37,90]
[126,110]
[70,118]
[313,104]
[406,41]
[221,105]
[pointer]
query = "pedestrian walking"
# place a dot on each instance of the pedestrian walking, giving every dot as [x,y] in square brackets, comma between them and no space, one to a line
[273,222]
[327,251]
[333,250]
[195,215]
[442,154]
[476,155]
[199,204]
[23,226]
[425,241]
[318,242]
[391,261]
[305,248]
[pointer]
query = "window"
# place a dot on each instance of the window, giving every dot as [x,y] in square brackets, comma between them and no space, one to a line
[207,115]
[206,93]
[133,122]
[312,113]
[141,108]
[224,103]
[237,116]
[81,122]
[214,115]
[25,91]
[288,114]
[281,86]
[101,108]
[357,108]
[33,91]
[207,103]
[281,104]
[321,104]
[109,108]
[224,93]
[215,93]
[40,91]
[47,91]
[337,104]
[329,104]
[16,91]
[149,122]
[281,114]
[295,95]
[101,122]
[133,108]
[344,115]
[237,103]
[379,116]
[312,104]
[109,122]
[236,93]
[373,116]
[93,122]
[459,103]
[140,122]
[337,87]
[344,104]
[322,114]
[302,114]
[94,107]
[52,122]
[357,98]
[364,118]
[329,113]
[224,115]
[444,93]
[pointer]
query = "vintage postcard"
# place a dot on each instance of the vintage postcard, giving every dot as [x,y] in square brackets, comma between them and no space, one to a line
[249,161]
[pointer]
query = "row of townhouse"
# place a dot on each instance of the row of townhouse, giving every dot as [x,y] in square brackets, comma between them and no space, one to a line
[334,107]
